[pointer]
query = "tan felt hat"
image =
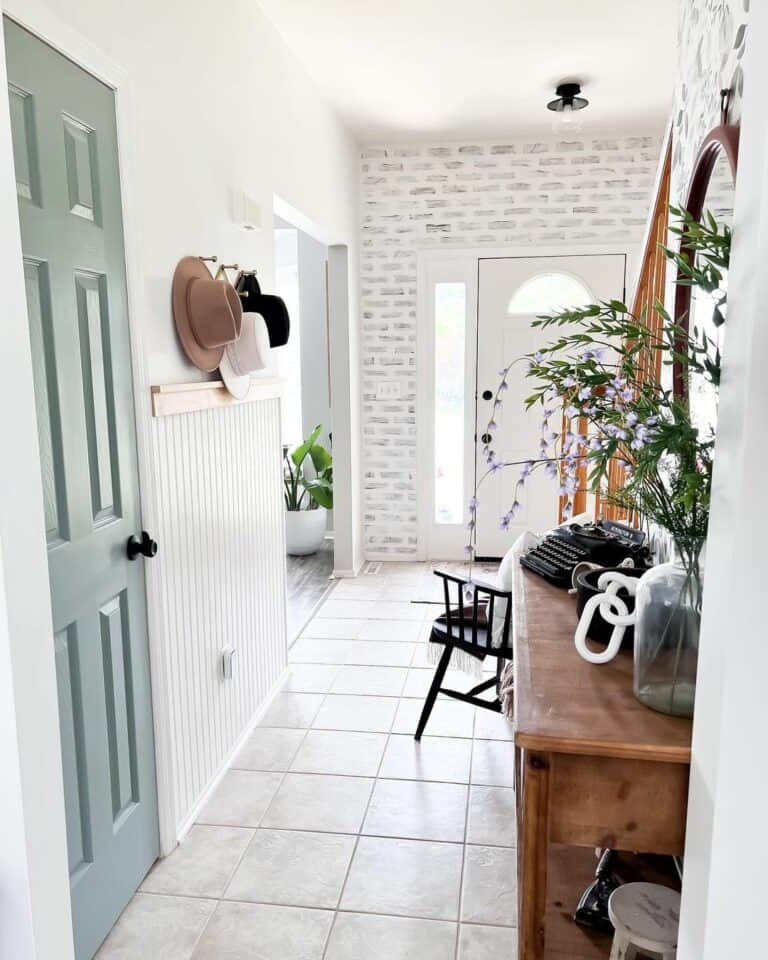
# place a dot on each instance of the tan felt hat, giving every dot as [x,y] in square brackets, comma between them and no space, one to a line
[208,313]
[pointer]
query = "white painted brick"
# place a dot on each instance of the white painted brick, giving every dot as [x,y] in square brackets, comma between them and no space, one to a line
[521,193]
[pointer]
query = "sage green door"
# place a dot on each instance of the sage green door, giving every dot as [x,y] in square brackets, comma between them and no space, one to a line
[65,151]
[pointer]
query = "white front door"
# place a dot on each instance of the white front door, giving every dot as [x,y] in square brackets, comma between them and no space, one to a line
[513,291]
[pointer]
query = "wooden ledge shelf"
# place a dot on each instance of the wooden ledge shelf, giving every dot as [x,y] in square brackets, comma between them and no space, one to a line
[175,398]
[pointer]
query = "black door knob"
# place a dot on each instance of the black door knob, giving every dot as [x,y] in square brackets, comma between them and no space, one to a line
[486,438]
[147,547]
[487,395]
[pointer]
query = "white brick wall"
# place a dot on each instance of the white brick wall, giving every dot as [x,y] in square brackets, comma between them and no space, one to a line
[514,193]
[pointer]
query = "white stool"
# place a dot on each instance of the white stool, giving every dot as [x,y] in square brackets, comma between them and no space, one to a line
[645,917]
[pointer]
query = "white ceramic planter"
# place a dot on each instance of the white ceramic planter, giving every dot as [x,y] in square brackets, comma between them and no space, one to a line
[304,531]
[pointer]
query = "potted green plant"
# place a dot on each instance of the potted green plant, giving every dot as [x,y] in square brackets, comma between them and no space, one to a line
[308,492]
[599,408]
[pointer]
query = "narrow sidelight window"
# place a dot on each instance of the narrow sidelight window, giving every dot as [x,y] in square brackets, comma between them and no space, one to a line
[450,336]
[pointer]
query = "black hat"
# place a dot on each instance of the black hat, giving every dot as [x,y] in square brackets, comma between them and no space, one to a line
[272,308]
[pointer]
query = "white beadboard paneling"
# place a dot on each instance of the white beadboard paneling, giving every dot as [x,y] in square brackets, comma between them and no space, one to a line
[222,569]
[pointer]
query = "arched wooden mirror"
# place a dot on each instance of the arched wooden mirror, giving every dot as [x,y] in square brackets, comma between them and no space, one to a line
[711,190]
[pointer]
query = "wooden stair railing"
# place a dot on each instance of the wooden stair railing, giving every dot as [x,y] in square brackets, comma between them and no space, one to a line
[650,289]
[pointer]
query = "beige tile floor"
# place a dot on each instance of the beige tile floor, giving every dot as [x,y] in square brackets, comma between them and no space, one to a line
[335,836]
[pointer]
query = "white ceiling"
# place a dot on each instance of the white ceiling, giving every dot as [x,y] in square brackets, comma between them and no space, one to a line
[442,69]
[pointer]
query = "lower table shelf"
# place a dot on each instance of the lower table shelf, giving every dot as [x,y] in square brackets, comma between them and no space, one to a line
[571,869]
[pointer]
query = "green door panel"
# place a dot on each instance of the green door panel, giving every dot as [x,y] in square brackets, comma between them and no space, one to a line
[68,185]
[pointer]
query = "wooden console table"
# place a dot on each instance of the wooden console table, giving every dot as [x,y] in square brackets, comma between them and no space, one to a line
[594,768]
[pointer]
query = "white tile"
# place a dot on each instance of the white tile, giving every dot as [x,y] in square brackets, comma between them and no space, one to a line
[251,931]
[423,590]
[375,681]
[402,610]
[493,763]
[292,710]
[402,631]
[294,868]
[164,928]
[310,677]
[268,748]
[316,650]
[346,753]
[318,802]
[417,810]
[358,590]
[345,609]
[422,657]
[333,629]
[374,610]
[376,653]
[418,682]
[367,714]
[489,892]
[448,719]
[357,936]
[241,799]
[492,816]
[493,726]
[202,863]
[414,878]
[477,942]
[434,758]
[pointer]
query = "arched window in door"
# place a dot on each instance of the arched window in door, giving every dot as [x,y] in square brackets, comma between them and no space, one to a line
[548,293]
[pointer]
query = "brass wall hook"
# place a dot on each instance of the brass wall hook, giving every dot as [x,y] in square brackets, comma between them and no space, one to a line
[240,276]
[223,267]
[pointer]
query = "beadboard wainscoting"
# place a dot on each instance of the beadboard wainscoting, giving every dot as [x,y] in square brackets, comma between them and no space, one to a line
[221,576]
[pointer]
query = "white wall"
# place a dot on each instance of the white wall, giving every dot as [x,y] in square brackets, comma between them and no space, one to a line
[220,105]
[315,395]
[726,845]
[216,104]
[288,357]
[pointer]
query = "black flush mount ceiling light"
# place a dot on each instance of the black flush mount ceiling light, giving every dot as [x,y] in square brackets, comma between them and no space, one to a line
[566,107]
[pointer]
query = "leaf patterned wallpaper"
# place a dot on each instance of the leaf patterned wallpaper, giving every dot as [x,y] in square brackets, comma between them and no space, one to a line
[712,40]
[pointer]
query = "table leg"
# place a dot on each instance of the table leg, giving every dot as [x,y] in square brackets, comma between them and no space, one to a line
[533,844]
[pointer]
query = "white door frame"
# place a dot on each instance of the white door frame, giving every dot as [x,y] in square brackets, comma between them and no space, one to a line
[40,21]
[435,265]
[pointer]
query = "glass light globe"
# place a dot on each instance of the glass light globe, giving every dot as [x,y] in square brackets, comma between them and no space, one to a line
[567,120]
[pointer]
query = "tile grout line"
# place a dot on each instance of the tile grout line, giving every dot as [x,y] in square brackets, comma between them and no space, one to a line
[367,913]
[466,830]
[357,841]
[400,698]
[346,833]
[256,828]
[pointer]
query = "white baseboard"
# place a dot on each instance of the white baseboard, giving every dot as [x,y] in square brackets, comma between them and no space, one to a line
[216,779]
[342,574]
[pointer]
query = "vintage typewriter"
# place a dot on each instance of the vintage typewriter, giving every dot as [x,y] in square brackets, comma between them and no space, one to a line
[607,543]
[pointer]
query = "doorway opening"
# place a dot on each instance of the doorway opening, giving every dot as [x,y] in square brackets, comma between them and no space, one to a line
[301,279]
